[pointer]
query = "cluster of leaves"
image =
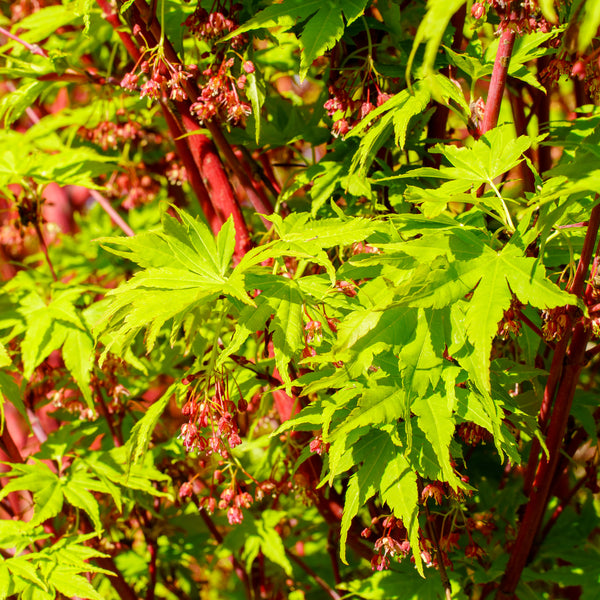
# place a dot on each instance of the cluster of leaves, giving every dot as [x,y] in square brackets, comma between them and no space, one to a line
[346,339]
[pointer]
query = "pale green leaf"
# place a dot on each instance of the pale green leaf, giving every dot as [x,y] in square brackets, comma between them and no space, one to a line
[225,246]
[588,24]
[79,497]
[373,451]
[400,492]
[5,360]
[48,502]
[437,422]
[78,354]
[141,434]
[200,239]
[72,585]
[146,249]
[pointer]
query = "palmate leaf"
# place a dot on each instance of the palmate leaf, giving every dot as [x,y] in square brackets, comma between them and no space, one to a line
[502,275]
[184,267]
[382,469]
[322,24]
[46,487]
[52,326]
[50,491]
[492,155]
[259,534]
[57,568]
[457,262]
[393,116]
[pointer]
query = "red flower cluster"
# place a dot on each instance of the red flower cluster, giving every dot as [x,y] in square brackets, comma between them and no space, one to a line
[219,95]
[522,15]
[213,26]
[473,434]
[109,134]
[215,413]
[162,78]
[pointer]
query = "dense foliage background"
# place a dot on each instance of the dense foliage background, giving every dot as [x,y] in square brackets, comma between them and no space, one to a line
[300,299]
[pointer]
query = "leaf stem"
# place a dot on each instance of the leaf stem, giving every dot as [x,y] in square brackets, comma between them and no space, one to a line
[116,435]
[508,221]
[33,48]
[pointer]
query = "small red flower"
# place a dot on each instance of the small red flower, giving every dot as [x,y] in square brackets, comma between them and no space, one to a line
[235,515]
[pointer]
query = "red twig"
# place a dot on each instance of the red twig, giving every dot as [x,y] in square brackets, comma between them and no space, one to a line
[112,213]
[38,231]
[33,48]
[539,494]
[498,81]
[193,170]
[116,435]
[222,196]
[113,18]
[560,351]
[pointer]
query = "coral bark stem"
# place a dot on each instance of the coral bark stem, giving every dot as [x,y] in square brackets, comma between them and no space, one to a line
[498,81]
[574,359]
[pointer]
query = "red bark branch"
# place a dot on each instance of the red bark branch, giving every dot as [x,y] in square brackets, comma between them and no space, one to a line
[574,360]
[498,81]
[222,197]
[113,18]
[193,171]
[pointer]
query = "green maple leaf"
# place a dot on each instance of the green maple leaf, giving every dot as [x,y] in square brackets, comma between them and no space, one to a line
[456,262]
[184,268]
[382,469]
[492,155]
[503,274]
[322,24]
[394,115]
